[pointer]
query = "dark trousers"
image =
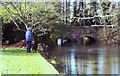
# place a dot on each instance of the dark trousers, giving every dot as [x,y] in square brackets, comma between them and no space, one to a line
[28,45]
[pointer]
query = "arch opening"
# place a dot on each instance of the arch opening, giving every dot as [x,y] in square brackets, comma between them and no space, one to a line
[88,40]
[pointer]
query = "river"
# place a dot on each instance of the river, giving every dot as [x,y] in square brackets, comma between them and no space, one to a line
[95,59]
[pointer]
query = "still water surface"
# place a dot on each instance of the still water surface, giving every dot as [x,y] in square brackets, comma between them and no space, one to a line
[94,59]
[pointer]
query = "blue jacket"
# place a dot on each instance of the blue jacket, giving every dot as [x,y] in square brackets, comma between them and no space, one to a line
[29,36]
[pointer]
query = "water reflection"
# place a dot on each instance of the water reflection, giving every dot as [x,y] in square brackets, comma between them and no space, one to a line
[87,60]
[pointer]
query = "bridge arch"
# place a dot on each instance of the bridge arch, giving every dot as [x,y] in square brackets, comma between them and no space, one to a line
[82,40]
[78,33]
[88,39]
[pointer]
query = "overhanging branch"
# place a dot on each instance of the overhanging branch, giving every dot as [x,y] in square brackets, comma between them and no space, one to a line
[11,16]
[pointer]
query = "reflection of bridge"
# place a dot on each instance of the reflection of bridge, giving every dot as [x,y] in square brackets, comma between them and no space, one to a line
[82,31]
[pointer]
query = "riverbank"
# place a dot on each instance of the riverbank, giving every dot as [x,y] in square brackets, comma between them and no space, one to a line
[17,61]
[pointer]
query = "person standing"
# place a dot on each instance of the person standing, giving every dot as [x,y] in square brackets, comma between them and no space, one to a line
[29,39]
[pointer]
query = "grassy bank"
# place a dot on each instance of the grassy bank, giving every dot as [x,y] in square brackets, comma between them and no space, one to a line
[17,61]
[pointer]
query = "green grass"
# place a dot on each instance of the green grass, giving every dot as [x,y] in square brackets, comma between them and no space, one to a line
[17,61]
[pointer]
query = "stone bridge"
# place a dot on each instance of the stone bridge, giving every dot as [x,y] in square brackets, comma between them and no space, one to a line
[79,32]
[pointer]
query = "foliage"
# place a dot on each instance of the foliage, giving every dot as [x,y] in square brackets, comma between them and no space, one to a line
[5,15]
[38,15]
[47,17]
[42,16]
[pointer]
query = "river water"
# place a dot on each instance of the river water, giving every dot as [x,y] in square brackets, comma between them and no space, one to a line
[96,59]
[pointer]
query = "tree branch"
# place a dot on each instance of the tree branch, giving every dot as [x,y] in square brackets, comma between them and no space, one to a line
[39,27]
[9,11]
[20,8]
[14,7]
[21,17]
[10,15]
